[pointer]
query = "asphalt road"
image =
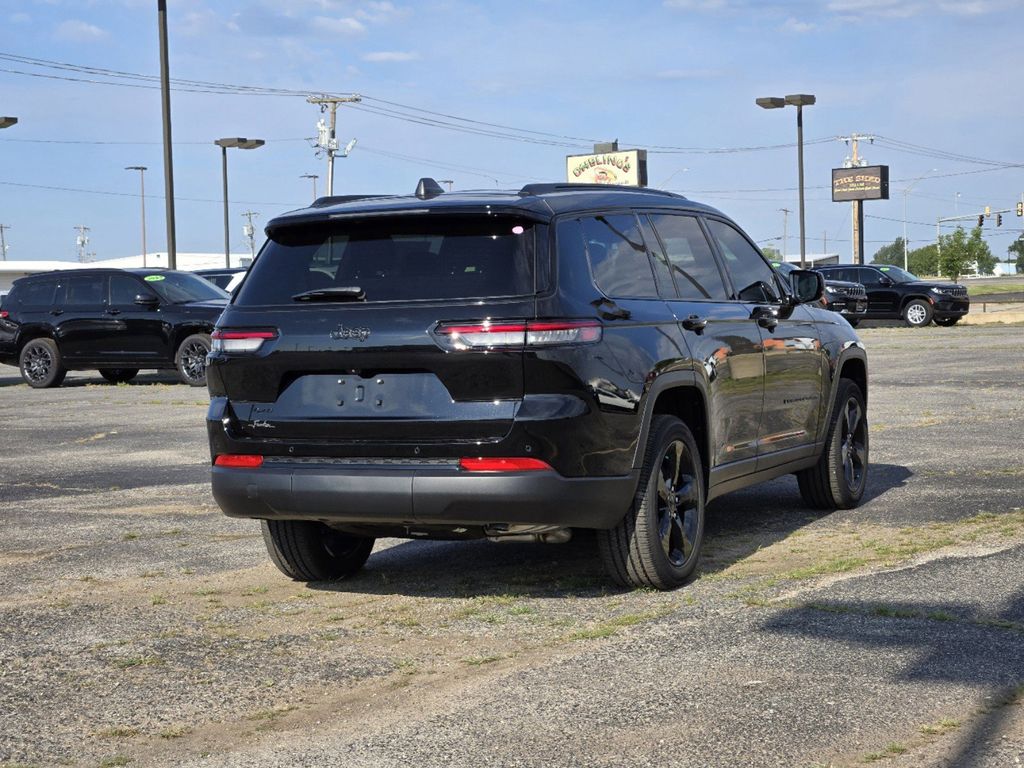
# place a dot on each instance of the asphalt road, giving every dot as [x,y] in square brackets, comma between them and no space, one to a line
[138,626]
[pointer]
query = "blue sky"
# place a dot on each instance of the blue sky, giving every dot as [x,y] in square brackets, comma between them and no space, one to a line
[932,74]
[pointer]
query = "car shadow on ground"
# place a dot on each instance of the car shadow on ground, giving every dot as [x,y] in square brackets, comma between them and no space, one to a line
[92,378]
[736,526]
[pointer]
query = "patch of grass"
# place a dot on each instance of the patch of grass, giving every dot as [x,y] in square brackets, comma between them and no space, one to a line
[207,591]
[175,732]
[478,661]
[872,757]
[130,536]
[827,567]
[520,610]
[894,613]
[158,600]
[270,714]
[895,748]
[118,732]
[595,633]
[152,574]
[262,590]
[114,762]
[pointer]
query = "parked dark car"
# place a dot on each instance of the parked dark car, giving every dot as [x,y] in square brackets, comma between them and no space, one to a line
[522,364]
[848,299]
[117,321]
[226,279]
[895,294]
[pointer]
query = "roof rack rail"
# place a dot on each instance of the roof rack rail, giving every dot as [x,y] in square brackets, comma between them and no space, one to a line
[563,186]
[323,202]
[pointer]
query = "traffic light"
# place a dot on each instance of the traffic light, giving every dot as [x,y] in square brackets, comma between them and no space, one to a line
[1020,209]
[999,219]
[981,219]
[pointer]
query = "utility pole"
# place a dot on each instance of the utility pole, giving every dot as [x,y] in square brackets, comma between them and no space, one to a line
[250,232]
[314,177]
[142,190]
[785,224]
[81,241]
[165,104]
[824,243]
[855,161]
[328,135]
[3,241]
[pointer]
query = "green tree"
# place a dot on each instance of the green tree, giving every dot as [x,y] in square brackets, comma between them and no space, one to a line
[890,254]
[980,254]
[1017,247]
[772,254]
[954,256]
[924,261]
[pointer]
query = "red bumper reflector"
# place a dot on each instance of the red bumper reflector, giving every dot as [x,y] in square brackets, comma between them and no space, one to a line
[488,464]
[238,460]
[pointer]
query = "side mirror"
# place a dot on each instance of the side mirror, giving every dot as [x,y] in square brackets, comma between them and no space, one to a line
[884,281]
[145,300]
[808,286]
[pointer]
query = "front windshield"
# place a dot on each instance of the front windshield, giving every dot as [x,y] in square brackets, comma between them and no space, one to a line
[898,275]
[182,287]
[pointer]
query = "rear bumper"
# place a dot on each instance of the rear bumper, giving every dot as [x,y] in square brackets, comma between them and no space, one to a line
[409,495]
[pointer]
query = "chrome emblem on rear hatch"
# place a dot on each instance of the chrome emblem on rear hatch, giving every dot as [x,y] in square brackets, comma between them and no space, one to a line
[341,332]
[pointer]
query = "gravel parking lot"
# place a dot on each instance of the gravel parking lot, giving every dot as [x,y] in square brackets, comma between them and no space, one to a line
[139,626]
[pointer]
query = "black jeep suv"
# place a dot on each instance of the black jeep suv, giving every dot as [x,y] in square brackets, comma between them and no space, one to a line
[118,321]
[894,294]
[848,299]
[522,364]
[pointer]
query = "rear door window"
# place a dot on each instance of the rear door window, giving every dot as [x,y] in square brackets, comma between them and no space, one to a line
[694,267]
[398,258]
[37,294]
[618,256]
[85,291]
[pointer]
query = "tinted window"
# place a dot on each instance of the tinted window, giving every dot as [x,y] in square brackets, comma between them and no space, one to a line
[124,289]
[85,291]
[38,293]
[183,287]
[659,261]
[693,265]
[618,257]
[752,278]
[866,276]
[399,258]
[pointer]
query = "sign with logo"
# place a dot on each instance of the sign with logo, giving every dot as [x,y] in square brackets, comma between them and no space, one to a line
[868,183]
[628,167]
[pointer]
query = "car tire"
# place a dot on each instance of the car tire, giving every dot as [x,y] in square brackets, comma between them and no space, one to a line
[41,365]
[947,322]
[838,480]
[657,544]
[305,550]
[917,313]
[190,359]
[119,375]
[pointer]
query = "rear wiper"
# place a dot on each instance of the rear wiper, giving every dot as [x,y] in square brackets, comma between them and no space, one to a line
[342,293]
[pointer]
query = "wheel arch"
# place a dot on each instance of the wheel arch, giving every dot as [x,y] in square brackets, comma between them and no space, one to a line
[33,332]
[185,330]
[678,394]
[913,297]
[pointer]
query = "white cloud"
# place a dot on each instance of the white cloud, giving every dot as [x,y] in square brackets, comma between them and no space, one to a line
[893,9]
[391,56]
[344,26]
[380,12]
[796,26]
[79,31]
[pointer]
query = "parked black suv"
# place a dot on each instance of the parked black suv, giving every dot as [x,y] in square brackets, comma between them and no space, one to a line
[894,294]
[848,299]
[507,364]
[118,321]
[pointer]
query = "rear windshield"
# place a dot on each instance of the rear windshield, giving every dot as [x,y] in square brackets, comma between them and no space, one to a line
[404,258]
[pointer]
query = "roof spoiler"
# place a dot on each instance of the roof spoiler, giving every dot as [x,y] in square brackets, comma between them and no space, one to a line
[324,202]
[549,187]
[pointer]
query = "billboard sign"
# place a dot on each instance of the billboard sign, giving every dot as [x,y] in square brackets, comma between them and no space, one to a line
[868,183]
[628,167]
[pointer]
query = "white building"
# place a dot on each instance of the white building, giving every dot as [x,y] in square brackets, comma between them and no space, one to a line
[12,270]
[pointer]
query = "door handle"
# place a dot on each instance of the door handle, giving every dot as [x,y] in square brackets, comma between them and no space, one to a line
[767,317]
[113,311]
[56,312]
[695,323]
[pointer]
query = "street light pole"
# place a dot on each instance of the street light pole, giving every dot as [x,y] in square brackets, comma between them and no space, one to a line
[314,177]
[238,143]
[142,189]
[798,100]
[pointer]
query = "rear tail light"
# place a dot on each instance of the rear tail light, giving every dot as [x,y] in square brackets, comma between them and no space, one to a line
[4,314]
[238,460]
[515,464]
[240,341]
[516,334]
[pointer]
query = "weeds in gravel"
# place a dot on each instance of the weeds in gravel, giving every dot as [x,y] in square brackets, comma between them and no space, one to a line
[115,762]
[937,729]
[130,536]
[479,661]
[270,714]
[158,600]
[175,732]
[118,732]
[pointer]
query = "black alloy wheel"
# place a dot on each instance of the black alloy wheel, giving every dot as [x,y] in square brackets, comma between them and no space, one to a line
[191,359]
[40,364]
[657,544]
[839,478]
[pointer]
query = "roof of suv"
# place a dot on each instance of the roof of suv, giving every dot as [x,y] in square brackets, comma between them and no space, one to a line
[541,201]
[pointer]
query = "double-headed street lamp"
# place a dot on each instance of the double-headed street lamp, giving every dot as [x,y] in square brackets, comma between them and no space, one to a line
[142,189]
[237,143]
[798,100]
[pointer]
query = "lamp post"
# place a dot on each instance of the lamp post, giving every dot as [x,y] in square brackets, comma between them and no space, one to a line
[906,193]
[237,143]
[142,188]
[5,122]
[314,177]
[798,100]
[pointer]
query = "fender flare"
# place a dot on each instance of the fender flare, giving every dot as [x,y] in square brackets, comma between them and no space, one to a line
[851,350]
[663,383]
